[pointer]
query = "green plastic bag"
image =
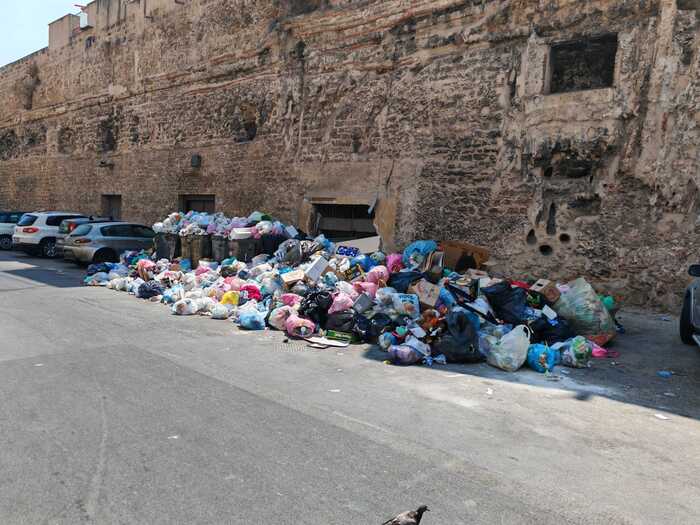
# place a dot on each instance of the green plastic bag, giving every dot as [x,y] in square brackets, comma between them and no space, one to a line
[586,313]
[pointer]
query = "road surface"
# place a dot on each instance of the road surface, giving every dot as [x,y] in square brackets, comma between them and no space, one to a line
[114,411]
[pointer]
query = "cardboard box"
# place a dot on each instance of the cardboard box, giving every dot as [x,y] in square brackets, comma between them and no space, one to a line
[461,255]
[428,293]
[546,289]
[291,278]
[317,269]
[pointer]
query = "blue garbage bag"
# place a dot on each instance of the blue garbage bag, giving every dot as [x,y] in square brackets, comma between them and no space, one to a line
[416,252]
[541,358]
[252,320]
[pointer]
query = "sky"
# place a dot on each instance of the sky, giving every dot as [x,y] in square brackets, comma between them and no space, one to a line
[24,25]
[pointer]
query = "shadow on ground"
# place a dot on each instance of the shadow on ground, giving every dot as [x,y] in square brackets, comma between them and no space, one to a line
[650,344]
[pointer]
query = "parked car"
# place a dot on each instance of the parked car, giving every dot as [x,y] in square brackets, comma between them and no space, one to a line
[8,220]
[37,232]
[67,227]
[104,242]
[690,313]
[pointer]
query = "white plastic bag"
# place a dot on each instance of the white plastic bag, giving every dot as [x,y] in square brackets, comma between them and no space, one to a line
[510,352]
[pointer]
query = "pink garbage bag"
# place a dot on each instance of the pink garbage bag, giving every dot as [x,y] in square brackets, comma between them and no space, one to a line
[341,302]
[366,287]
[299,327]
[377,275]
[290,299]
[394,262]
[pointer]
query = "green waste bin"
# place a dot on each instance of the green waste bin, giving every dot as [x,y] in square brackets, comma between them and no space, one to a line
[201,249]
[219,248]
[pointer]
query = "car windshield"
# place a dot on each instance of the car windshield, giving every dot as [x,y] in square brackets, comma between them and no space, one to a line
[81,230]
[27,220]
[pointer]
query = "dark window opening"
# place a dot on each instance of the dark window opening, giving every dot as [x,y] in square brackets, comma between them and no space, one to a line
[583,64]
[112,206]
[546,250]
[344,222]
[200,203]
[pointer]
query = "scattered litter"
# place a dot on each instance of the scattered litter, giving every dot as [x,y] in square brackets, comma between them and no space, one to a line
[666,318]
[335,390]
[670,394]
[666,374]
[489,391]
[174,437]
[39,364]
[661,417]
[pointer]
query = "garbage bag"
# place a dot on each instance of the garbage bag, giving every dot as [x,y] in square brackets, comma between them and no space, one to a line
[220,311]
[366,287]
[404,355]
[279,317]
[149,289]
[461,343]
[185,307]
[550,332]
[581,306]
[251,319]
[363,261]
[315,306]
[347,288]
[299,327]
[510,352]
[394,262]
[289,252]
[577,352]
[341,302]
[341,321]
[291,299]
[369,330]
[230,298]
[301,289]
[98,268]
[251,292]
[378,275]
[415,253]
[541,358]
[402,280]
[508,303]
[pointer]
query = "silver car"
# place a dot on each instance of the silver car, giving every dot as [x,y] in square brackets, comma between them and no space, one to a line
[105,241]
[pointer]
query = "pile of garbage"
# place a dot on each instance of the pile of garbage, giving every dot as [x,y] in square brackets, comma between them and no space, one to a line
[430,304]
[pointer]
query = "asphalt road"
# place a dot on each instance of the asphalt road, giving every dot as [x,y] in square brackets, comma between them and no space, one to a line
[114,411]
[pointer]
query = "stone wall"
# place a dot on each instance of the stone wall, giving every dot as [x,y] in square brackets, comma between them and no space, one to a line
[441,111]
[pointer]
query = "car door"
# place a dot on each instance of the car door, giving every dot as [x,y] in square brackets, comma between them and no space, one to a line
[143,236]
[117,237]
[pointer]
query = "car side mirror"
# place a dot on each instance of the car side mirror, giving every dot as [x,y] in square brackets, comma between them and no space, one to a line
[694,270]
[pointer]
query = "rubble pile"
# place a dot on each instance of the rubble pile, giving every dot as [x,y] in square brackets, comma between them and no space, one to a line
[432,303]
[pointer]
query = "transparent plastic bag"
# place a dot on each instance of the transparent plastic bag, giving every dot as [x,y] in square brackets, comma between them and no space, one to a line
[586,313]
[510,352]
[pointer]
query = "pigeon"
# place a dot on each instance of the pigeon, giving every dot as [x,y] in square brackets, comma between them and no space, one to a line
[411,517]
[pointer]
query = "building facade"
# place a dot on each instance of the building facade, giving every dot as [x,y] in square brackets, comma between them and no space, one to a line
[561,134]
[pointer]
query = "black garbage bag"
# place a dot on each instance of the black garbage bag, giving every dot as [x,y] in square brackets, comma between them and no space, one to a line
[543,331]
[271,243]
[150,289]
[341,321]
[369,330]
[508,302]
[402,280]
[300,288]
[461,342]
[315,306]
[289,252]
[98,268]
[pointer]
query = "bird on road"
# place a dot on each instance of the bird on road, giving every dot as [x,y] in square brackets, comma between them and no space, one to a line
[411,517]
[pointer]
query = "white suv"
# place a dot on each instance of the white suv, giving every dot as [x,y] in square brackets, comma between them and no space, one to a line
[37,232]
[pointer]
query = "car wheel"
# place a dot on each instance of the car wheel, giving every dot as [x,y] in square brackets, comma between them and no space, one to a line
[685,326]
[48,248]
[104,256]
[5,242]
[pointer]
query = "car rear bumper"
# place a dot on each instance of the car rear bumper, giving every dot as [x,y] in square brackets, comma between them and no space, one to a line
[24,247]
[31,241]
[79,254]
